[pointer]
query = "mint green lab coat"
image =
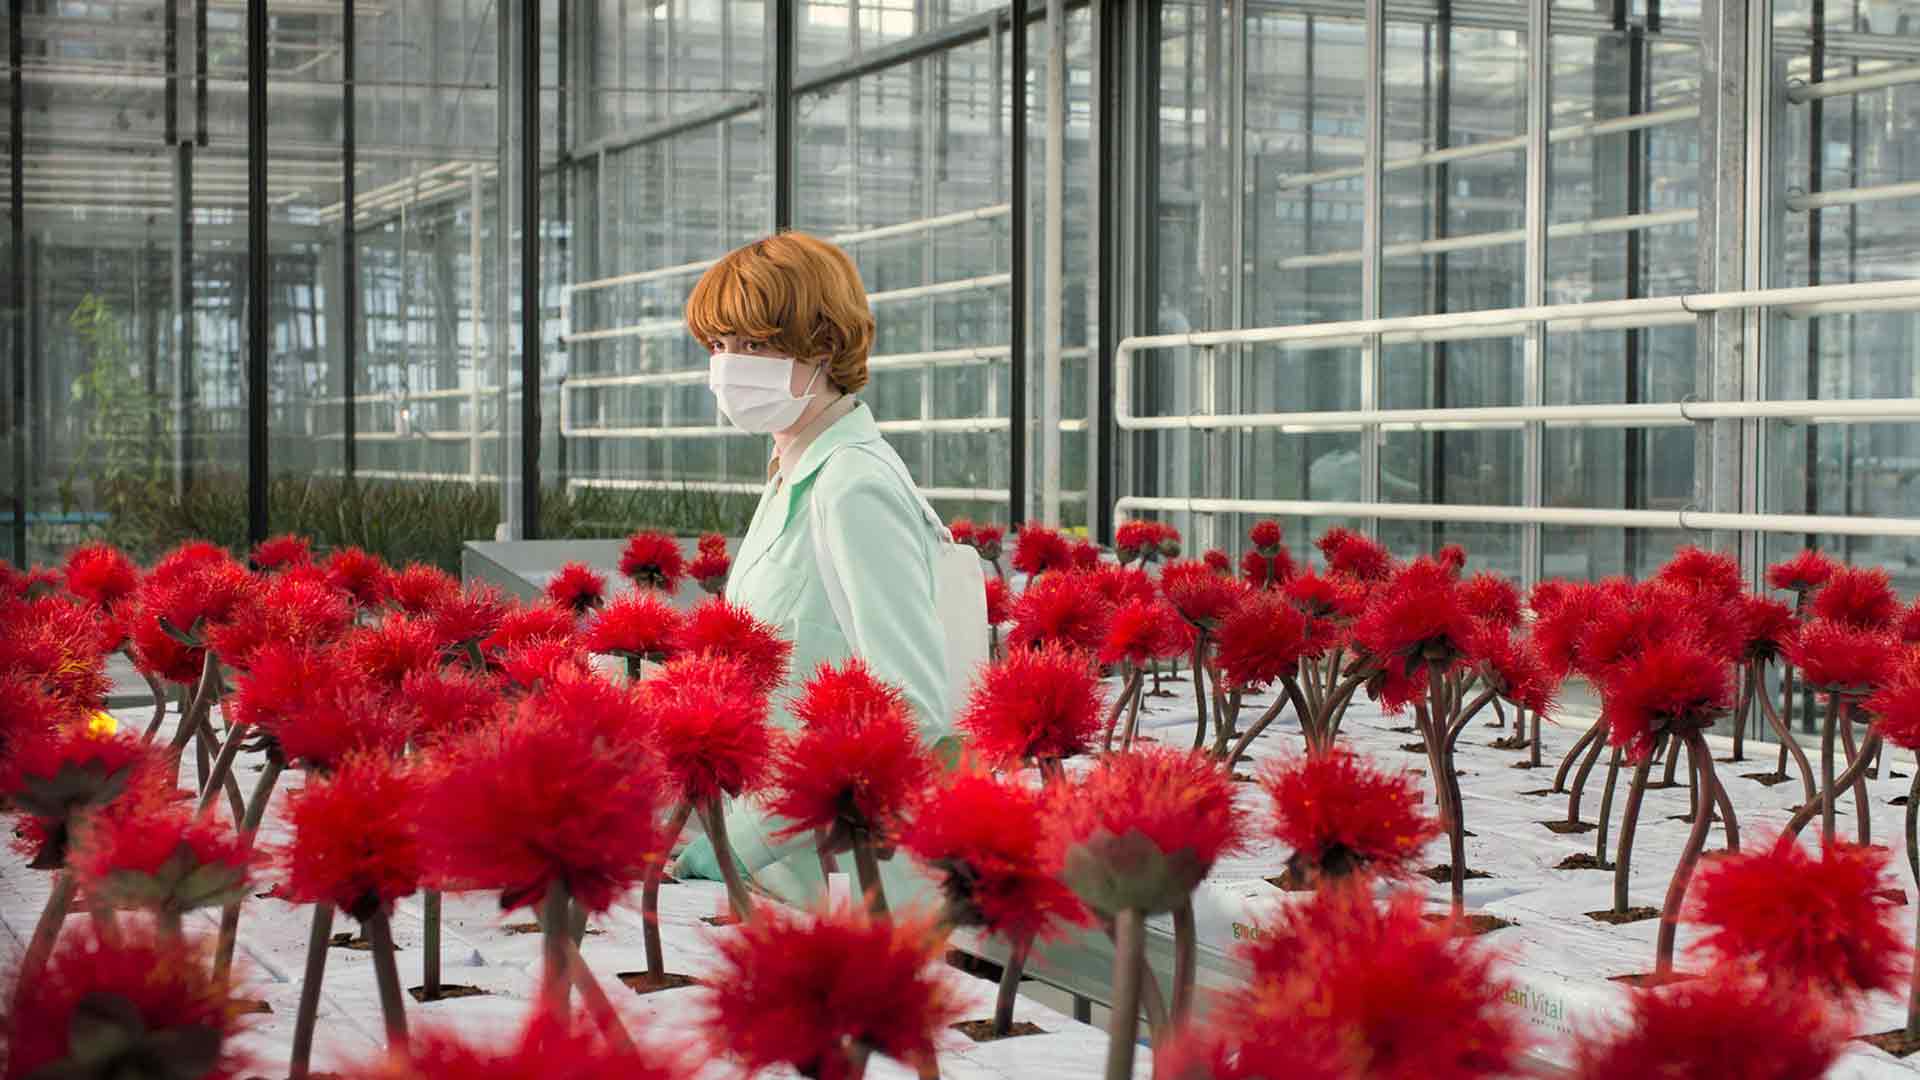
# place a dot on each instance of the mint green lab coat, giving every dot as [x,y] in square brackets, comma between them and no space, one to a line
[882,548]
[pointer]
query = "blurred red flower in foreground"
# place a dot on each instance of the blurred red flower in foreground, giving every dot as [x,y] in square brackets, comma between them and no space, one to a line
[150,851]
[981,835]
[544,1049]
[356,836]
[856,766]
[1726,1024]
[1142,829]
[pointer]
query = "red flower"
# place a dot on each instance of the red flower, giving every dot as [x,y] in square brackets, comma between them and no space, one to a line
[102,575]
[140,998]
[708,723]
[1802,573]
[540,660]
[1169,540]
[1135,539]
[544,1049]
[1418,619]
[60,645]
[1548,595]
[1512,668]
[1842,657]
[1142,631]
[729,630]
[1895,709]
[313,706]
[798,989]
[615,712]
[1326,597]
[1263,641]
[389,651]
[1726,1024]
[1353,555]
[1266,571]
[1041,703]
[710,571]
[418,588]
[1341,815]
[1265,537]
[185,559]
[1709,575]
[55,775]
[448,702]
[289,608]
[961,529]
[1203,597]
[1626,622]
[356,839]
[361,576]
[524,624]
[857,766]
[652,560]
[282,553]
[1767,625]
[999,601]
[1858,597]
[1486,595]
[637,624]
[562,804]
[1674,686]
[1453,557]
[1086,555]
[1281,1046]
[146,850]
[1561,630]
[1038,549]
[1816,922]
[1398,997]
[1064,608]
[1143,829]
[468,617]
[712,544]
[1121,584]
[1910,624]
[1217,561]
[981,837]
[987,540]
[177,608]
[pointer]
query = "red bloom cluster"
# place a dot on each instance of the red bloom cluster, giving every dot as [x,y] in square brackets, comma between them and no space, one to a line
[356,838]
[1067,609]
[1492,598]
[1767,627]
[1674,687]
[313,706]
[544,1049]
[797,989]
[1416,620]
[1723,1025]
[1143,829]
[999,601]
[856,767]
[1341,815]
[729,630]
[707,721]
[711,567]
[1265,537]
[362,576]
[1145,540]
[982,837]
[387,652]
[148,851]
[1858,596]
[448,702]
[1036,704]
[1802,573]
[1841,657]
[637,625]
[1202,596]
[1263,641]
[1896,711]
[980,536]
[1038,549]
[420,589]
[1711,576]
[282,553]
[1354,555]
[1217,561]
[179,602]
[522,625]
[1142,631]
[102,575]
[576,587]
[467,618]
[652,560]
[1326,598]
[1512,668]
[60,646]
[294,606]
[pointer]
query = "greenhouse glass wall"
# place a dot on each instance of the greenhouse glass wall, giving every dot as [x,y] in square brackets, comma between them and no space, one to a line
[1569,283]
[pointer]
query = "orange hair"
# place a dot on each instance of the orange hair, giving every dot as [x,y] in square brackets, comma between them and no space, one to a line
[796,292]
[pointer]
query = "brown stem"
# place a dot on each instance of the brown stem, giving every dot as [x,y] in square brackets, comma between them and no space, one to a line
[1788,744]
[430,944]
[1127,692]
[1534,748]
[1740,718]
[1721,799]
[1913,828]
[1860,782]
[1123,1025]
[1133,721]
[1827,733]
[1200,687]
[868,869]
[1701,759]
[230,915]
[1629,823]
[555,936]
[1913,992]
[309,1010]
[1673,765]
[386,976]
[222,778]
[1573,755]
[715,822]
[1580,780]
[1606,806]
[47,930]
[1805,814]
[195,715]
[605,1016]
[1010,987]
[650,893]
[1291,694]
[858,1054]
[1185,944]
[159,703]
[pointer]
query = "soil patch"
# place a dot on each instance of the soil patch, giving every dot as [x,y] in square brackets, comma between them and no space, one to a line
[448,992]
[1622,918]
[534,928]
[642,983]
[1414,747]
[1894,1042]
[354,942]
[1585,860]
[1474,925]
[1569,828]
[1540,793]
[982,1030]
[1647,980]
[1524,765]
[1767,778]
[1444,872]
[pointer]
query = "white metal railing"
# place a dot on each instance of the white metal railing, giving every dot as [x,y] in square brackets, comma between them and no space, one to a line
[935,425]
[1799,93]
[1503,417]
[1906,189]
[736,487]
[1497,238]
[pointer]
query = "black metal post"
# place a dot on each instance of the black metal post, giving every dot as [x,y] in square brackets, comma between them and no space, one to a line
[1107,101]
[350,253]
[1019,312]
[1634,456]
[183,376]
[780,106]
[530,307]
[1816,175]
[259,268]
[170,45]
[200,71]
[1442,191]
[16,288]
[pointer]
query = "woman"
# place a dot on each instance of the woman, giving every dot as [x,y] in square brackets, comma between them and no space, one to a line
[787,323]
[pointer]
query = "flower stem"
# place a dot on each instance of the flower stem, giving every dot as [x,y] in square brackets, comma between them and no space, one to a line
[309,1011]
[1578,791]
[1827,732]
[195,715]
[1606,806]
[1185,942]
[47,930]
[1113,714]
[650,893]
[1860,781]
[1533,742]
[1701,759]
[222,777]
[1784,730]
[1133,721]
[159,701]
[1291,695]
[555,935]
[1573,755]
[715,821]
[430,944]
[1010,987]
[1129,943]
[595,997]
[1200,687]
[230,915]
[1805,814]
[1913,829]
[868,867]
[1629,823]
[386,975]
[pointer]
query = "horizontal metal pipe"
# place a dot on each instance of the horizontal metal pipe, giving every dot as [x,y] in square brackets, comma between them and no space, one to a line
[1498,238]
[1799,93]
[1670,414]
[1906,189]
[948,425]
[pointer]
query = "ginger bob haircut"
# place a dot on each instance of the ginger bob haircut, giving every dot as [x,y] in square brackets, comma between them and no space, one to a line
[799,294]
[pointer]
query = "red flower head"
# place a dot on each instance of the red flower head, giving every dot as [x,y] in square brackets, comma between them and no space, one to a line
[1039,703]
[537,661]
[1803,573]
[1488,596]
[1086,555]
[56,775]
[712,544]
[1767,625]
[1512,668]
[1417,620]
[1811,922]
[652,560]
[616,712]
[1910,624]
[150,851]
[1399,997]
[1566,615]
[386,653]
[1137,539]
[312,706]
[638,625]
[356,838]
[1896,711]
[27,711]
[102,575]
[1038,549]
[1064,608]
[1121,584]
[362,576]
[290,608]
[1266,571]
[59,644]
[798,989]
[1726,1024]
[464,620]
[961,529]
[989,540]
[282,553]
[1341,815]
[447,702]
[1709,575]
[1203,597]
[857,766]
[1675,686]
[1142,631]
[1354,555]
[177,608]
[563,804]
[1320,597]
[1548,595]
[1169,540]
[729,630]
[1453,557]
[1858,597]
[1263,641]
[999,601]
[710,571]
[544,1049]
[524,624]
[1142,830]
[419,589]
[1265,537]
[981,837]
[111,1006]
[1843,658]
[1217,561]
[187,558]
[1281,1046]
[708,724]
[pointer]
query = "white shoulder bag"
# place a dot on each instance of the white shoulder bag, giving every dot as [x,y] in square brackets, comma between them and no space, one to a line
[959,587]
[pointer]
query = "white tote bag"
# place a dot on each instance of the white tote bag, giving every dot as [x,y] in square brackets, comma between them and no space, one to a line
[959,588]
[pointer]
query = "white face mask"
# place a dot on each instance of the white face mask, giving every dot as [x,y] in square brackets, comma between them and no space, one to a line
[755,391]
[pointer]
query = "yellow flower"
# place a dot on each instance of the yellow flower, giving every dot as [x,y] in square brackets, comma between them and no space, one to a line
[102,724]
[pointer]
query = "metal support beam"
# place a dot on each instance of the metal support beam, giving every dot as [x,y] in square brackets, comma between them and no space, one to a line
[530,306]
[350,247]
[183,325]
[259,272]
[17,279]
[1020,295]
[1372,155]
[1054,274]
[781,41]
[170,47]
[1109,55]
[200,71]
[1534,291]
[1723,228]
